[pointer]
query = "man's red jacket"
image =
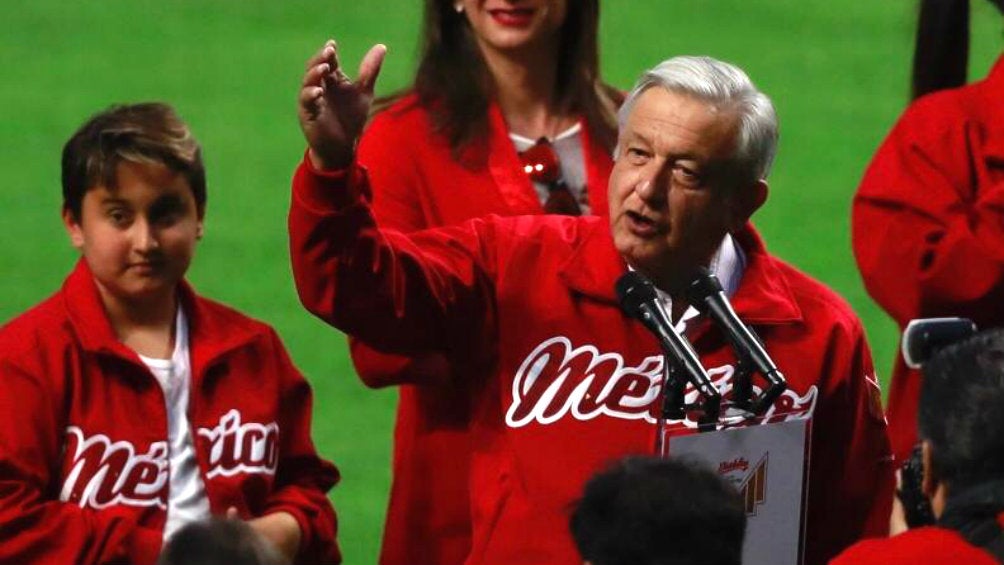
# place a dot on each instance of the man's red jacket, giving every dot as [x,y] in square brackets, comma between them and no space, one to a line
[419,182]
[567,382]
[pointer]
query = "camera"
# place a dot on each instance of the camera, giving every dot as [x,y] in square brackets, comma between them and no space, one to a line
[916,506]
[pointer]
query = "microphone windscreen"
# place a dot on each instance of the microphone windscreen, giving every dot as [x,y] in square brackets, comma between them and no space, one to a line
[703,285]
[633,289]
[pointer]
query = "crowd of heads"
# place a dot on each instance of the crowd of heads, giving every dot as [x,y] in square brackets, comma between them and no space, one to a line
[218,541]
[652,511]
[960,413]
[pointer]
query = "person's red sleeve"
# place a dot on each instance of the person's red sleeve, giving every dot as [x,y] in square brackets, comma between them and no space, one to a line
[35,528]
[851,478]
[396,183]
[928,219]
[428,291]
[302,478]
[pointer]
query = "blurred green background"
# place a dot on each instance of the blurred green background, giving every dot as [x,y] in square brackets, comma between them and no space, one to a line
[837,71]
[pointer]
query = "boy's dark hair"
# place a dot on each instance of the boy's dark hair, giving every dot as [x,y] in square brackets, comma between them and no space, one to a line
[651,511]
[218,542]
[150,132]
[961,410]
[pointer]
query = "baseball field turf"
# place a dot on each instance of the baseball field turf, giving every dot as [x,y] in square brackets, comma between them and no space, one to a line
[837,72]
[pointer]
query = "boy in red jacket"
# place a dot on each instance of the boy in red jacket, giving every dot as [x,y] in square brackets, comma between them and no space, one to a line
[130,405]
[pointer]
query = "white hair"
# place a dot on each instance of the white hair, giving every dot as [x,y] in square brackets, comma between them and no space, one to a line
[724,86]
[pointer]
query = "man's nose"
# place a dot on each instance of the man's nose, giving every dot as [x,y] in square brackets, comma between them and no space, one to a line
[651,187]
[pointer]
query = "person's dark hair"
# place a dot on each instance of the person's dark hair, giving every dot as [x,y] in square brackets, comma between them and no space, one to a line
[941,51]
[651,511]
[960,411]
[454,82]
[149,132]
[218,542]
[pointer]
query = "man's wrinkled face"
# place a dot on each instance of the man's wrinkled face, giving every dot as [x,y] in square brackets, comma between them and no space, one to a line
[673,191]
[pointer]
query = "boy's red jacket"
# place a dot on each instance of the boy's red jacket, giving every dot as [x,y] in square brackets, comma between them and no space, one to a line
[928,223]
[83,433]
[568,382]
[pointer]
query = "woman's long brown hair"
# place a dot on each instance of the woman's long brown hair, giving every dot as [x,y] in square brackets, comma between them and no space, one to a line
[453,81]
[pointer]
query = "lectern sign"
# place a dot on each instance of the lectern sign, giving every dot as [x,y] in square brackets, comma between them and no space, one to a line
[769,466]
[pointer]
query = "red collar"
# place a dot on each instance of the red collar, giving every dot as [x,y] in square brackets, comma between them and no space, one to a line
[213,329]
[763,297]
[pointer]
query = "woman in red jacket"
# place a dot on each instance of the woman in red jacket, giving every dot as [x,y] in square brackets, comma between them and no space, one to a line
[928,218]
[507,115]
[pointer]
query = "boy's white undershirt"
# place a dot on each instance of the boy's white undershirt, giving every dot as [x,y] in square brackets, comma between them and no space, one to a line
[187,500]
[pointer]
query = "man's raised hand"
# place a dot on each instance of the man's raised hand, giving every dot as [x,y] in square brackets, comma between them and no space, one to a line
[333,108]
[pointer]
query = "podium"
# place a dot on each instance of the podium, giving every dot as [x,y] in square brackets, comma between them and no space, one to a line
[769,465]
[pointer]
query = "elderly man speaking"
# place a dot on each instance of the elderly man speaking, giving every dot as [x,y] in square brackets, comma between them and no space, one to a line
[569,382]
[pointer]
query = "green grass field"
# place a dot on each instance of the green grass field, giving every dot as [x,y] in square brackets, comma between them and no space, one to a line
[837,72]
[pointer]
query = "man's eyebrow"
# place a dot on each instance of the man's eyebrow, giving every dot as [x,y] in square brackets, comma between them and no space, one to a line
[634,135]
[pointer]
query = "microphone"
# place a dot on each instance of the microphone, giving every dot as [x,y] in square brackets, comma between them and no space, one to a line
[705,294]
[639,300]
[925,336]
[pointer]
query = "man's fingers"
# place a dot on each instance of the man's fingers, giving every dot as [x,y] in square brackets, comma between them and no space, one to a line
[314,74]
[309,97]
[369,68]
[323,55]
[333,62]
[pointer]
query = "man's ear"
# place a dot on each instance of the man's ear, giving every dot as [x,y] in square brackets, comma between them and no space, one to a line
[930,481]
[73,229]
[744,202]
[200,214]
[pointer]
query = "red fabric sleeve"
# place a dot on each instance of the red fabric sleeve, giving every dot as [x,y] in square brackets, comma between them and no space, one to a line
[928,230]
[851,448]
[928,219]
[396,184]
[427,292]
[34,527]
[303,479]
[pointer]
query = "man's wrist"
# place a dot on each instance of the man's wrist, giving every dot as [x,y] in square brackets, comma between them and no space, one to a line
[329,163]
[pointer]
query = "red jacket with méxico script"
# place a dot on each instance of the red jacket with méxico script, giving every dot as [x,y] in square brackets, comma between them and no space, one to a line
[418,183]
[84,458]
[928,223]
[565,382]
[923,546]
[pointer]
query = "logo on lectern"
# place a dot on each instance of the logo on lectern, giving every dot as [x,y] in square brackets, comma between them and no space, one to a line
[752,485]
[754,488]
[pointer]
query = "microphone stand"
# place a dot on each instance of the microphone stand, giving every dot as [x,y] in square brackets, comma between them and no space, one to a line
[639,299]
[742,387]
[705,293]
